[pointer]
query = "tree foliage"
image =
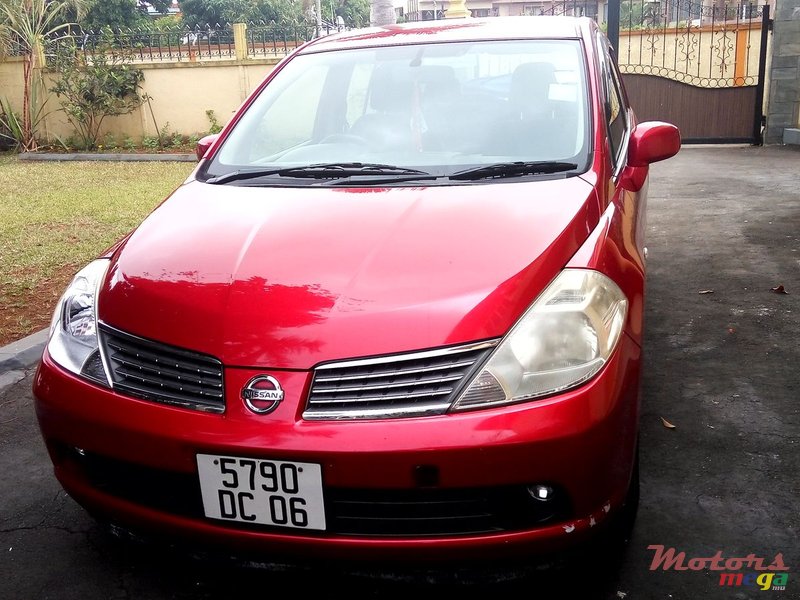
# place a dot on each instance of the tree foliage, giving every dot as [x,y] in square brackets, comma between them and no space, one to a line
[638,15]
[212,12]
[118,14]
[105,85]
[354,12]
[113,14]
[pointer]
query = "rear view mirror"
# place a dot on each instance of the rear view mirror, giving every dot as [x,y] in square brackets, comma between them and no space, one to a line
[652,141]
[204,144]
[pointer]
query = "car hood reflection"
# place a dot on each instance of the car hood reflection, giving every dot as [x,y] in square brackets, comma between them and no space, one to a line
[290,277]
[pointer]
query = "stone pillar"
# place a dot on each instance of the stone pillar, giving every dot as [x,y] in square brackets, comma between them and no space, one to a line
[240,40]
[457,10]
[783,108]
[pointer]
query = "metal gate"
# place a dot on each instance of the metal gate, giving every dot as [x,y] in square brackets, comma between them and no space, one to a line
[699,64]
[700,67]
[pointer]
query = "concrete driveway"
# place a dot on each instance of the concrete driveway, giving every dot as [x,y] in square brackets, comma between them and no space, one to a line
[722,366]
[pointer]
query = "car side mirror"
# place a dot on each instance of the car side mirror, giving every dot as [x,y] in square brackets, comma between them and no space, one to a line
[652,141]
[204,144]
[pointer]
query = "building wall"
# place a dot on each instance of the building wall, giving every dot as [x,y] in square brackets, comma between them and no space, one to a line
[784,90]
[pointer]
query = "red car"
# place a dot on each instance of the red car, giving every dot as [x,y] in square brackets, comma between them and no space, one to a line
[395,313]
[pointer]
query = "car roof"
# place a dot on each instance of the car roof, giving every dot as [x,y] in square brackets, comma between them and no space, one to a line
[455,30]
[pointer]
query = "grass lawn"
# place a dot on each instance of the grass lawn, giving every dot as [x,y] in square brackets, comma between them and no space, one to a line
[57,216]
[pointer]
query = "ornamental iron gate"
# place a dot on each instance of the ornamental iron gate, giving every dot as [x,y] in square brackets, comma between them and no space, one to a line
[699,65]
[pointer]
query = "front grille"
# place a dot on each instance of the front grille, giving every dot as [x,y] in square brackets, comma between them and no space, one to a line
[156,371]
[404,385]
[422,512]
[431,512]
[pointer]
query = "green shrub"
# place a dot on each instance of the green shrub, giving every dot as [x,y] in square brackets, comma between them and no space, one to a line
[10,127]
[91,90]
[214,126]
[110,141]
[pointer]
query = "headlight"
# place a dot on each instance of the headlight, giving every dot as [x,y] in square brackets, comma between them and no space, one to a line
[73,332]
[563,339]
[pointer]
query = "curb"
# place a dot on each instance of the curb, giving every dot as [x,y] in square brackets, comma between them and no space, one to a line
[23,353]
[55,156]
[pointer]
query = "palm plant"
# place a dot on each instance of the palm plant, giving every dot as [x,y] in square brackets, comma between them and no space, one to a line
[25,26]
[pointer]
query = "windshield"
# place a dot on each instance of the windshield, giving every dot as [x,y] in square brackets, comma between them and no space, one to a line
[437,108]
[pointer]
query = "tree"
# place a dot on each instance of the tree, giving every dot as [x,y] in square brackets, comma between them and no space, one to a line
[199,13]
[118,14]
[354,12]
[25,27]
[105,85]
[639,15]
[114,14]
[382,12]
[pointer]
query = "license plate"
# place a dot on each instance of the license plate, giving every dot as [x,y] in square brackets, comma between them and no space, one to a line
[267,492]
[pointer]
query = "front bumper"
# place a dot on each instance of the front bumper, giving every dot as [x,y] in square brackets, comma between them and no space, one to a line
[581,443]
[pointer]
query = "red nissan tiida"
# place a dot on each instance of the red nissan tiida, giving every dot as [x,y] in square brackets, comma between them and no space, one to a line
[395,313]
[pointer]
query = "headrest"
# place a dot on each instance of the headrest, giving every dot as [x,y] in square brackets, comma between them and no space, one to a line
[531,81]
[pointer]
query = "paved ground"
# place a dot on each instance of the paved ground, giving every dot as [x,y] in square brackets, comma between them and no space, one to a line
[723,367]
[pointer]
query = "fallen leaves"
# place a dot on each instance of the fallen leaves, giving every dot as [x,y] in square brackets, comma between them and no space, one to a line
[706,292]
[667,424]
[779,289]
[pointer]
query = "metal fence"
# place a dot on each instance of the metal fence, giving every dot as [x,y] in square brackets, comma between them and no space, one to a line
[171,45]
[208,42]
[272,40]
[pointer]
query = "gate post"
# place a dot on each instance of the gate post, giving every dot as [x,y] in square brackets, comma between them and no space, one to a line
[758,109]
[612,19]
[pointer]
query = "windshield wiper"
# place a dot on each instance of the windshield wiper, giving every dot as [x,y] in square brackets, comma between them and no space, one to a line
[318,171]
[511,169]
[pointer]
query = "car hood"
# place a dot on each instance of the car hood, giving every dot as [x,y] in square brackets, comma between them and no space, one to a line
[290,277]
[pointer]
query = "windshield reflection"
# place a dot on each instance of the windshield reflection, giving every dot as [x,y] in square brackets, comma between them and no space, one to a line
[441,108]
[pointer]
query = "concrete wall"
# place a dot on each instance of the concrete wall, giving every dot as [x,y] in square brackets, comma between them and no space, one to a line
[181,94]
[783,115]
[11,80]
